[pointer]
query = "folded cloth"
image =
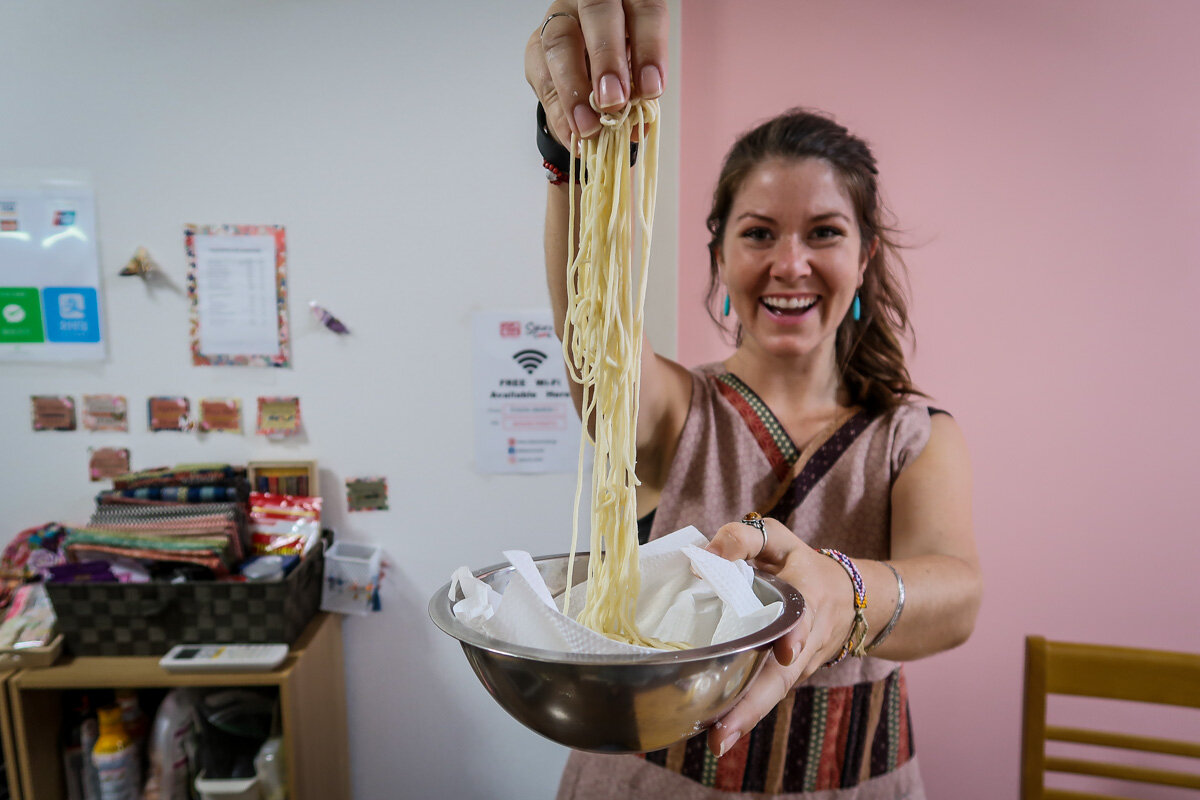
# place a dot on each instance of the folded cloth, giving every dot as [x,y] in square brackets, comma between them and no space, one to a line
[688,596]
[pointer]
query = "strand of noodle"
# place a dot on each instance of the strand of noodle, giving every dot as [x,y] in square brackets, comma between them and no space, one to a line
[602,344]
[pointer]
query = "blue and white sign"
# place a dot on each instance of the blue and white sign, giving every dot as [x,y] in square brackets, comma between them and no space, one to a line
[49,269]
[71,314]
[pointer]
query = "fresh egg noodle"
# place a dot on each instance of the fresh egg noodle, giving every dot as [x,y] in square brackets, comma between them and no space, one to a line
[602,342]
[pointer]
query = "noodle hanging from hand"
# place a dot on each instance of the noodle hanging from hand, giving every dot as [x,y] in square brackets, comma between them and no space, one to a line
[602,342]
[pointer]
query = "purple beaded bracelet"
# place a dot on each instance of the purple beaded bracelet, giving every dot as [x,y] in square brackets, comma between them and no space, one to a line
[859,627]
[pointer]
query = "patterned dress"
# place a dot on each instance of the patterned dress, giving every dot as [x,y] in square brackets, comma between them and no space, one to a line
[845,733]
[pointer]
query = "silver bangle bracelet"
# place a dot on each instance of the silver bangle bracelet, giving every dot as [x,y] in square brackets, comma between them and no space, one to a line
[883,634]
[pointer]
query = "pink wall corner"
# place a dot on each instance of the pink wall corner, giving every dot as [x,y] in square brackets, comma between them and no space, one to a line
[1044,159]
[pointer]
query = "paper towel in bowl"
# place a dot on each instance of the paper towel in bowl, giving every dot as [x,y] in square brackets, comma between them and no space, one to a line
[674,604]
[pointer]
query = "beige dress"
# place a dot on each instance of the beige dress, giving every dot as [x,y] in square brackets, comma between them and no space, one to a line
[845,733]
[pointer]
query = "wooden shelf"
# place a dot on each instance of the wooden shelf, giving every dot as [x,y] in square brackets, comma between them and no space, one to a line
[312,699]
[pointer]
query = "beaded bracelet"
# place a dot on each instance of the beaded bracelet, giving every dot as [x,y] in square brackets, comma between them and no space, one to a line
[556,159]
[860,606]
[887,630]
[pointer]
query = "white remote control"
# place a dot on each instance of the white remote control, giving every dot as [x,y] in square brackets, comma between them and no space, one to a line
[224,657]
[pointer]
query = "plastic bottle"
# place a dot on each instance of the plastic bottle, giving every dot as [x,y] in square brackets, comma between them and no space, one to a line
[115,758]
[136,724]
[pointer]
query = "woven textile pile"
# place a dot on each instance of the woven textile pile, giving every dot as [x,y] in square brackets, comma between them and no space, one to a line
[166,516]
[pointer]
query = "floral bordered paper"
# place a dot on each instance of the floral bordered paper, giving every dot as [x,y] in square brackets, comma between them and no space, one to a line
[278,416]
[280,359]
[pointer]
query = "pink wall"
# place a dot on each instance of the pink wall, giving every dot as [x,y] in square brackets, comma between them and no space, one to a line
[1045,158]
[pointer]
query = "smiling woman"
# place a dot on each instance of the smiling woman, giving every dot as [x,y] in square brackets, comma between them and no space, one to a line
[862,492]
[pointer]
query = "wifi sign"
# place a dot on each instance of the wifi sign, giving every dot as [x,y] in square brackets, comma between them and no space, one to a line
[529,359]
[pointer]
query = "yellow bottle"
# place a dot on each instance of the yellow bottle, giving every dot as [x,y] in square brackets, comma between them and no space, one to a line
[115,758]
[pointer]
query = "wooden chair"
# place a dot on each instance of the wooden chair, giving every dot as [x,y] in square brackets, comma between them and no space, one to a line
[1123,673]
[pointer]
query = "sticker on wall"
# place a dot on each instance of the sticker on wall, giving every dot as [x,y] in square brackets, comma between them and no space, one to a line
[278,416]
[237,284]
[221,414]
[53,413]
[107,462]
[366,494]
[328,320]
[169,414]
[105,412]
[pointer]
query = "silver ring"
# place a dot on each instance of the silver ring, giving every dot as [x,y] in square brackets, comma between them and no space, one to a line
[552,16]
[755,520]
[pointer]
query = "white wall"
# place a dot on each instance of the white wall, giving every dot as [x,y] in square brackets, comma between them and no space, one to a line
[395,142]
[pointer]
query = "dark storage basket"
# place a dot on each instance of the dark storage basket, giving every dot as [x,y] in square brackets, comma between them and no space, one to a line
[147,619]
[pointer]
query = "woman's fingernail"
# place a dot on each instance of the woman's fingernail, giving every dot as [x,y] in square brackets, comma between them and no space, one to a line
[586,121]
[795,653]
[728,744]
[611,91]
[651,83]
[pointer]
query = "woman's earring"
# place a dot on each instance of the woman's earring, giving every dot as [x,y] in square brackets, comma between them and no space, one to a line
[856,309]
[725,313]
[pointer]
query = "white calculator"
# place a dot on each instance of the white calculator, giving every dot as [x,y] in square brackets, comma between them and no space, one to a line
[224,657]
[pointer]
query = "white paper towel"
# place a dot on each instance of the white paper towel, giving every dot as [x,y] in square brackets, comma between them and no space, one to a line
[674,605]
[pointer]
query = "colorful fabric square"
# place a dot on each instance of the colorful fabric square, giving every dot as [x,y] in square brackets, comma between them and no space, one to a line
[278,416]
[168,413]
[778,447]
[816,739]
[107,462]
[53,413]
[366,494]
[221,415]
[105,412]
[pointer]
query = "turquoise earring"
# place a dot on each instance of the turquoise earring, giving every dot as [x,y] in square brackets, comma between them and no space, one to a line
[725,313]
[856,309]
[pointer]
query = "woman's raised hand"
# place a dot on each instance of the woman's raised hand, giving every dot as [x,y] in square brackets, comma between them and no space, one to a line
[616,49]
[817,638]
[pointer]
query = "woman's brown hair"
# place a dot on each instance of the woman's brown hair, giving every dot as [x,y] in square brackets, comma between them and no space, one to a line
[869,356]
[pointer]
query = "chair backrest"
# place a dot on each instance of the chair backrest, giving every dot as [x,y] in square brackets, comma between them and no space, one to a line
[1119,673]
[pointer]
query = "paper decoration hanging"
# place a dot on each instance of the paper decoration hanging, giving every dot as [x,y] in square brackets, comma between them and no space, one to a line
[366,494]
[141,264]
[237,285]
[221,414]
[107,462]
[105,412]
[278,416]
[169,414]
[53,413]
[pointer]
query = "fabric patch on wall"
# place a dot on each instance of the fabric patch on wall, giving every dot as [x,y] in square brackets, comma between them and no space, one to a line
[107,462]
[278,416]
[53,413]
[221,414]
[366,494]
[169,414]
[105,412]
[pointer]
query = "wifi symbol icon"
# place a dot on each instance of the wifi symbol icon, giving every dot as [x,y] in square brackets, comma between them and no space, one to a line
[529,359]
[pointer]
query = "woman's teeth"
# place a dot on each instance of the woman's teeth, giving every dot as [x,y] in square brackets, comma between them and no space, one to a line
[792,305]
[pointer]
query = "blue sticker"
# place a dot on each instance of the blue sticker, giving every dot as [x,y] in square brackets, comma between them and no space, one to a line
[71,313]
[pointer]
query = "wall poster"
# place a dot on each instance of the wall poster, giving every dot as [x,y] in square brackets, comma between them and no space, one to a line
[237,284]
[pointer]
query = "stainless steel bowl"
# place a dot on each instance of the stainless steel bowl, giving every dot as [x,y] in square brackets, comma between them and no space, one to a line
[615,703]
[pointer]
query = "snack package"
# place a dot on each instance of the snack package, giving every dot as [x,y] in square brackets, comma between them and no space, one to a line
[283,524]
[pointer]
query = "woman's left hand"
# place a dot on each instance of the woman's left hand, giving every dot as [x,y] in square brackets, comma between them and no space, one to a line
[817,638]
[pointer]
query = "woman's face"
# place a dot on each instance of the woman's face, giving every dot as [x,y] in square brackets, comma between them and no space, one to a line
[791,257]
